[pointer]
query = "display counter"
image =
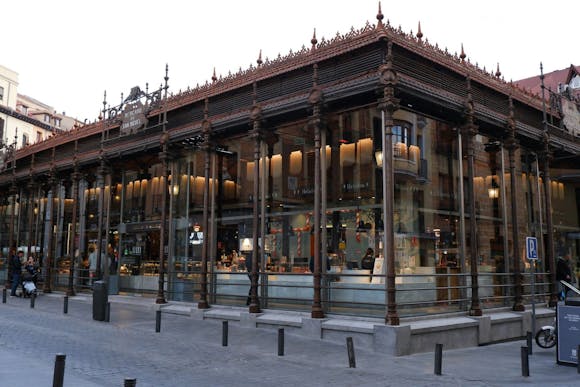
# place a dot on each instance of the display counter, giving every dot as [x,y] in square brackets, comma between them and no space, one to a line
[140,282]
[348,286]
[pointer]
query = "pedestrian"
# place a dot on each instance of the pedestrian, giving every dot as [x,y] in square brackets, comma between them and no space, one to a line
[563,273]
[16,267]
[31,269]
[368,261]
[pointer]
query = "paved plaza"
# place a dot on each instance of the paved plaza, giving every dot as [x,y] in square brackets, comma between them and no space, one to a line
[189,352]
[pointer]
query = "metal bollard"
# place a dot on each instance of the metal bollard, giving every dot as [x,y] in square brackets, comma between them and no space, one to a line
[350,351]
[525,362]
[438,358]
[280,341]
[32,299]
[224,333]
[4,295]
[158,321]
[58,377]
[130,382]
[529,342]
[65,305]
[108,312]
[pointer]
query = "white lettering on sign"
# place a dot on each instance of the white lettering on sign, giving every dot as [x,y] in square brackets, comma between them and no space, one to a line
[133,118]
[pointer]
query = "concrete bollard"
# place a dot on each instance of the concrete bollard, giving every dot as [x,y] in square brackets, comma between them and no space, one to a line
[158,321]
[224,333]
[108,312]
[130,382]
[65,305]
[529,342]
[438,358]
[4,295]
[350,351]
[525,362]
[58,377]
[280,341]
[32,300]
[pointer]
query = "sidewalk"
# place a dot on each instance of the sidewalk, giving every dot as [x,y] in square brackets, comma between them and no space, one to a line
[188,352]
[417,335]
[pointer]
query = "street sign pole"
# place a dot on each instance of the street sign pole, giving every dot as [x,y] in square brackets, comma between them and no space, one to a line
[533,266]
[532,255]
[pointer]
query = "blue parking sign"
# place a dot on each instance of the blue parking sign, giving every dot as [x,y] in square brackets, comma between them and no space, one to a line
[531,248]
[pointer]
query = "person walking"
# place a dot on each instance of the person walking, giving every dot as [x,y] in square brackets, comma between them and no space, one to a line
[563,273]
[16,267]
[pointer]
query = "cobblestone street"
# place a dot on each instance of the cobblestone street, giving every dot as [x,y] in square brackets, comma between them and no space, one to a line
[188,352]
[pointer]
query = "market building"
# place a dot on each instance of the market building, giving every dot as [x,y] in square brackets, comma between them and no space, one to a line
[267,187]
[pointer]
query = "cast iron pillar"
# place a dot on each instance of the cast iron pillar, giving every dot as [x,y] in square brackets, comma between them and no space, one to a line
[101,172]
[315,99]
[164,157]
[206,132]
[388,105]
[469,130]
[256,136]
[512,146]
[74,196]
[11,240]
[52,181]
[30,202]
[546,156]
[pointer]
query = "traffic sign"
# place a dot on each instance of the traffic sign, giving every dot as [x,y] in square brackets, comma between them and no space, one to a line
[531,247]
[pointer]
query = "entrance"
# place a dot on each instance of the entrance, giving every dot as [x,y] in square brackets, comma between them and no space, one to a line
[139,261]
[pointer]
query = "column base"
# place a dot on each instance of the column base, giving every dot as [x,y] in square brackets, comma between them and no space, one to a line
[317,312]
[254,308]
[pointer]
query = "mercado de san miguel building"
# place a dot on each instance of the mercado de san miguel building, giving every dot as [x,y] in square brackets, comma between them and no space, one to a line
[267,187]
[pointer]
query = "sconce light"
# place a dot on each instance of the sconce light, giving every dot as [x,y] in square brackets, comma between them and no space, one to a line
[379,158]
[493,192]
[35,209]
[295,162]
[347,154]
[174,189]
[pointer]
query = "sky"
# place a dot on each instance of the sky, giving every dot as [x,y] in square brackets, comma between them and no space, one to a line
[68,52]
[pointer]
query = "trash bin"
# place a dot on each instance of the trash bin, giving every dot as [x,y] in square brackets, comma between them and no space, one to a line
[100,300]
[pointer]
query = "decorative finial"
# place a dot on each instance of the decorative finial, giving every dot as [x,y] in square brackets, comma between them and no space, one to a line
[213,77]
[259,61]
[497,72]
[314,41]
[462,55]
[419,33]
[380,17]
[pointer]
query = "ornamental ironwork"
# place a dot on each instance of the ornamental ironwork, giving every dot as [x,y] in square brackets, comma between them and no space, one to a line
[131,114]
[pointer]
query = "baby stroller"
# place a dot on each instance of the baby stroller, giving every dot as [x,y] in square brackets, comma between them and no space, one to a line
[28,284]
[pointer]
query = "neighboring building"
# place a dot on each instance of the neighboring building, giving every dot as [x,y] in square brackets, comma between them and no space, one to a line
[562,87]
[290,170]
[25,120]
